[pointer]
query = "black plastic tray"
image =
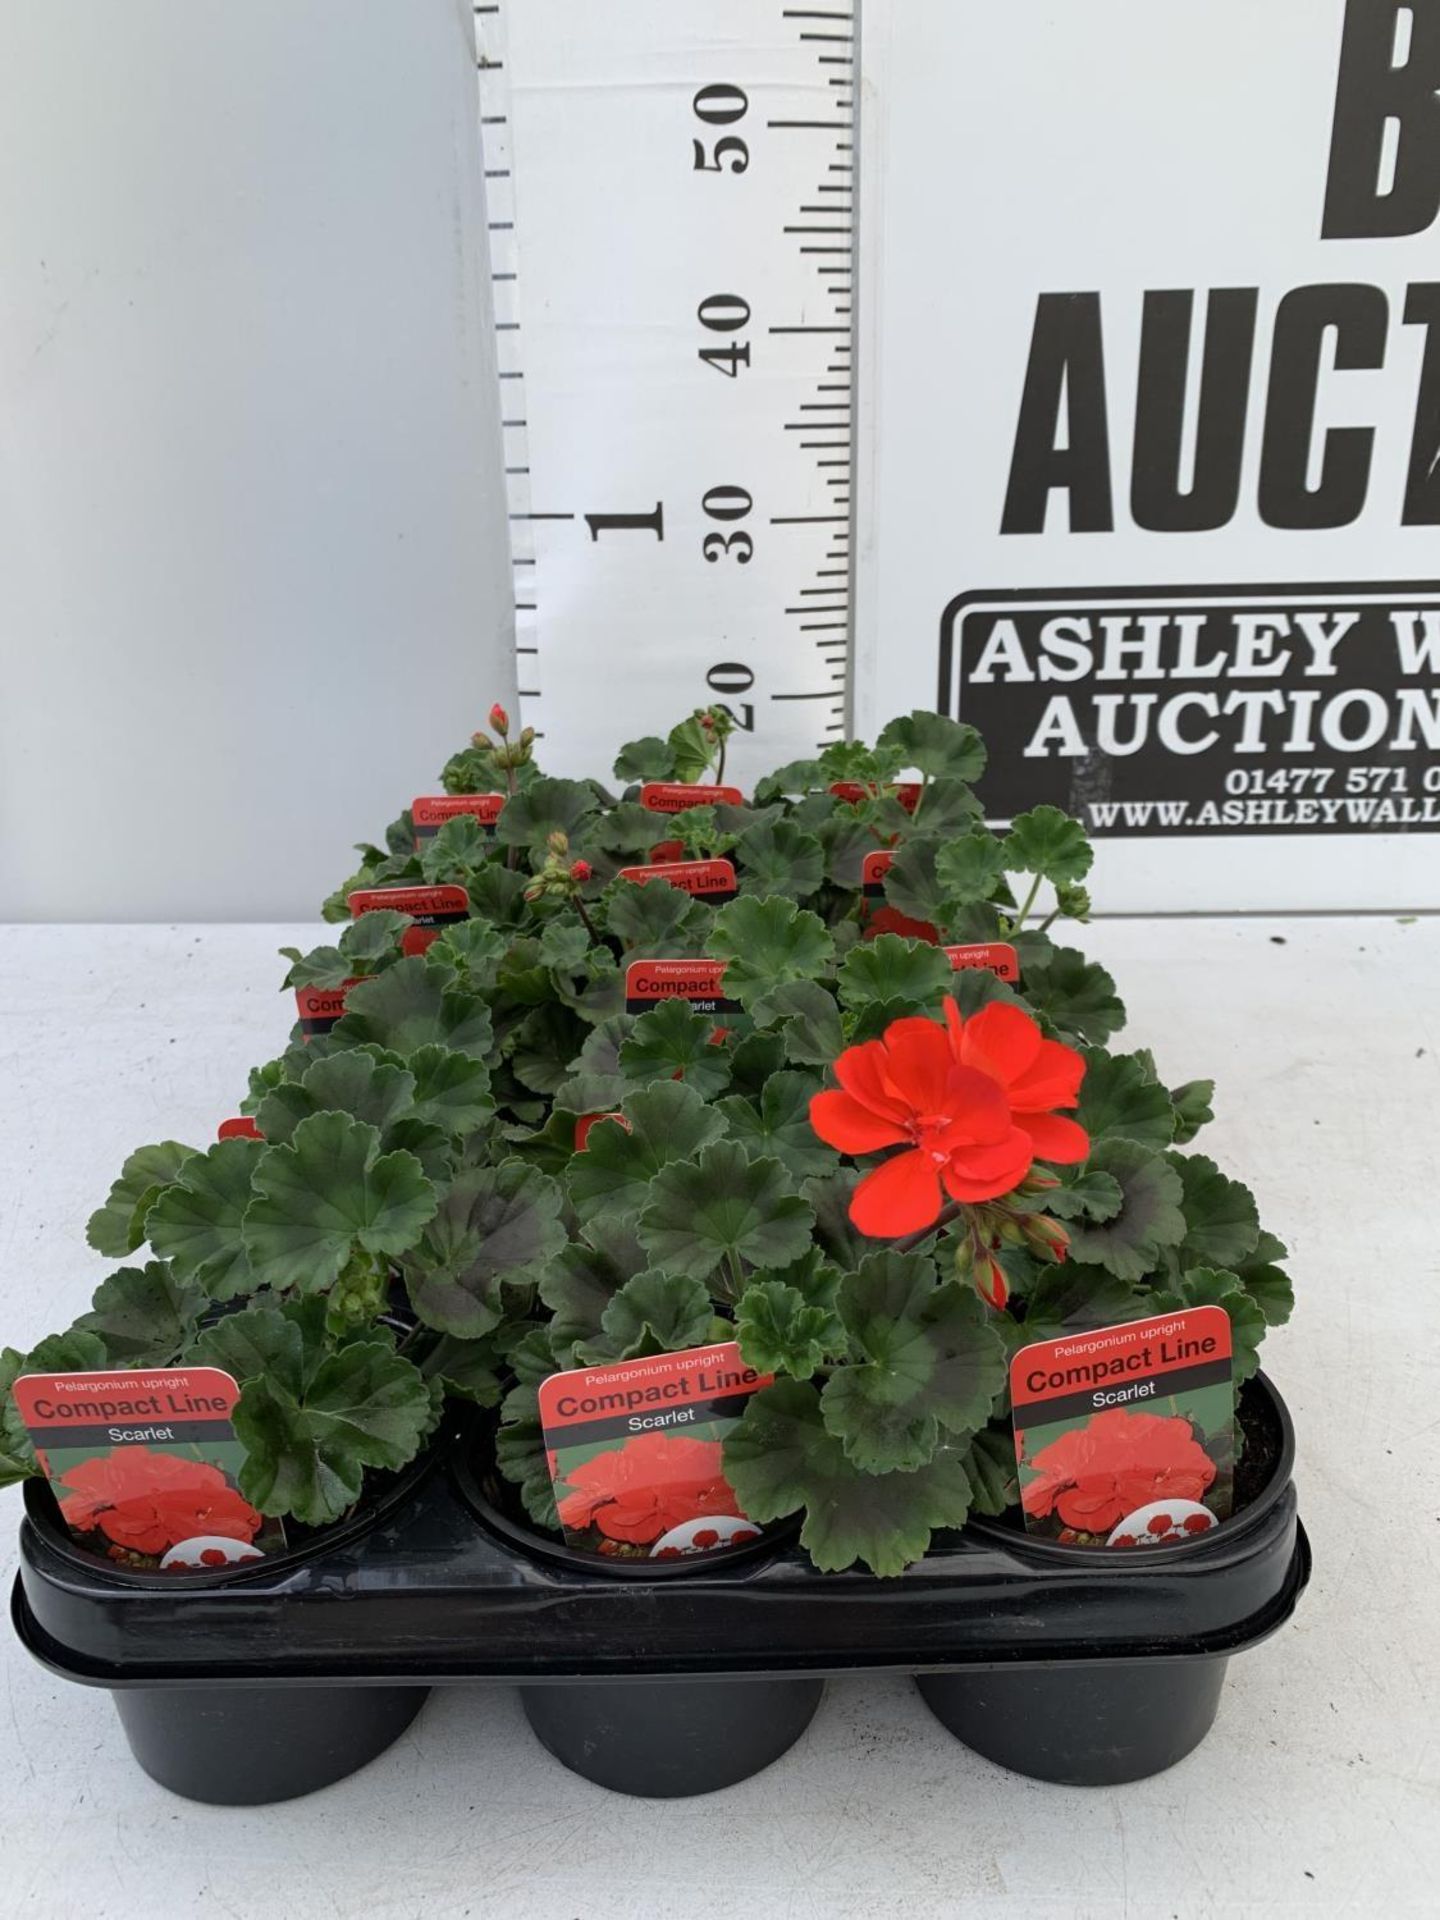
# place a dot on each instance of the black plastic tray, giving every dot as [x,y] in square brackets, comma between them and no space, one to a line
[444,1588]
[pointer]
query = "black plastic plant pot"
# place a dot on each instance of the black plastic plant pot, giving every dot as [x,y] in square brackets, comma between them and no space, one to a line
[663,1678]
[233,1743]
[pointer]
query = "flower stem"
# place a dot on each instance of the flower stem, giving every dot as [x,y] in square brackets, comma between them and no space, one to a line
[1019,920]
[720,769]
[579,906]
[737,1279]
[946,1215]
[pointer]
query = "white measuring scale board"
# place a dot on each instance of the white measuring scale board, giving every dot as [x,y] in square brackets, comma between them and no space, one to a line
[671,194]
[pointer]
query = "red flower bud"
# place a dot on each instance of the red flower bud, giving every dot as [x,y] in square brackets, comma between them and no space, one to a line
[580,871]
[991,1284]
[500,720]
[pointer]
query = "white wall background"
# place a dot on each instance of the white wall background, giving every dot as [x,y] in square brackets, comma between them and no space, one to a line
[254,581]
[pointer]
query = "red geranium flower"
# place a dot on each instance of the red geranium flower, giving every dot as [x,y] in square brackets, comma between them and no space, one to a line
[1120,1461]
[127,1473]
[641,1490]
[971,1106]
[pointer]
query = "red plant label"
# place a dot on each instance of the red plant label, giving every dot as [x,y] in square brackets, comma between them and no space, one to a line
[430,812]
[648,982]
[995,956]
[706,879]
[873,869]
[320,1007]
[907,792]
[431,908]
[664,850]
[242,1127]
[673,796]
[144,1465]
[635,1451]
[1124,1435]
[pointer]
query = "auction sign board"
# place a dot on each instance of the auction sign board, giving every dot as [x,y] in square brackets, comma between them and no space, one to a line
[1151,428]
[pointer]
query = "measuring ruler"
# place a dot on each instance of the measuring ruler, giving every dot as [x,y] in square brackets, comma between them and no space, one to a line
[672,204]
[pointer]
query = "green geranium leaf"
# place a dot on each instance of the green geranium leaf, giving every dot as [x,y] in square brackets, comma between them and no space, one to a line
[1074,994]
[1209,1287]
[546,807]
[1049,843]
[469,953]
[647,759]
[994,1480]
[912,884]
[653,1313]
[776,857]
[930,1364]
[582,1281]
[496,1226]
[1117,1096]
[1192,1109]
[1070,1298]
[452,1090]
[780,1331]
[970,868]
[753,1060]
[1084,1194]
[846,838]
[353,1082]
[766,944]
[327,1193]
[118,1227]
[778,1127]
[498,895]
[565,943]
[1265,1282]
[412,1005]
[691,749]
[521,1455]
[145,1315]
[905,974]
[306,1454]
[667,1122]
[674,1040]
[724,1206]
[934,746]
[779,1459]
[809,1022]
[284,1344]
[653,919]
[451,855]
[1150,1220]
[830,1198]
[466,1370]
[542,1043]
[1222,1226]
[196,1223]
[596,1083]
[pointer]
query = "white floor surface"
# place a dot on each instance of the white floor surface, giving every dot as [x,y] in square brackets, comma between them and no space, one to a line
[1316,1792]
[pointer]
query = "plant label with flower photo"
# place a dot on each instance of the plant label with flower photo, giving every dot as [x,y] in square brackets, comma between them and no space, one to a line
[698,982]
[429,812]
[635,1451]
[993,956]
[320,1007]
[1124,1436]
[431,908]
[673,796]
[705,879]
[144,1465]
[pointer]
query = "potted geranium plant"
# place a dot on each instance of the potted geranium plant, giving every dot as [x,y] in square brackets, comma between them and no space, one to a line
[881,1168]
